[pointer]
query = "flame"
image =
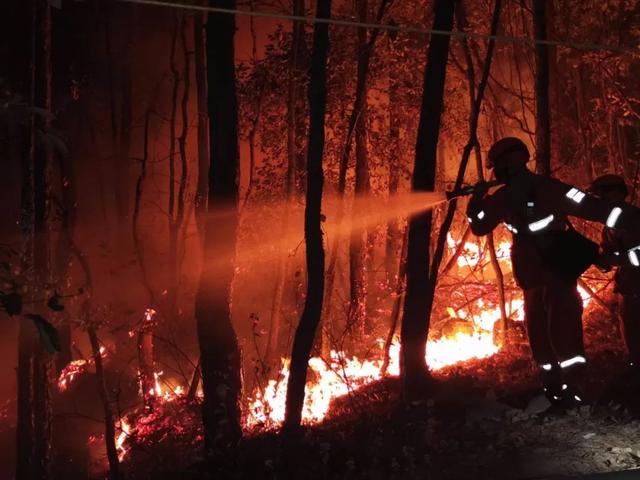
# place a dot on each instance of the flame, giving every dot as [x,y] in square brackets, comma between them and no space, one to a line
[75,368]
[472,338]
[68,373]
[339,375]
[125,431]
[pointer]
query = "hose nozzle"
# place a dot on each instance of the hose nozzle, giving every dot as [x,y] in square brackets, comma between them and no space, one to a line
[471,189]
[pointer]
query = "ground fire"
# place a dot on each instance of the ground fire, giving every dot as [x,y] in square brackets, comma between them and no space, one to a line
[319,240]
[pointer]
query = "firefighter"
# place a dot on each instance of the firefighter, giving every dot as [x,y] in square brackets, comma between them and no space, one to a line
[627,275]
[547,255]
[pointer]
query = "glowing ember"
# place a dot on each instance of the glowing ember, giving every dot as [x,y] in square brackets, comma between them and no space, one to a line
[149,313]
[69,372]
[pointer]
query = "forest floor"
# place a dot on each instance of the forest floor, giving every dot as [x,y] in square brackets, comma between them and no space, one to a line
[478,422]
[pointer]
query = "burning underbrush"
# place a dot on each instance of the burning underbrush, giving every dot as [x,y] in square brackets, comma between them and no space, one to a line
[170,437]
[465,335]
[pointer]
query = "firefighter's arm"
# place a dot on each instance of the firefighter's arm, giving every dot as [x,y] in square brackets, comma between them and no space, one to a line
[629,254]
[574,202]
[484,213]
[611,247]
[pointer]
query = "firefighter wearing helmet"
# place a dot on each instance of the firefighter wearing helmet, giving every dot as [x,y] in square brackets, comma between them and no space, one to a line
[627,276]
[547,255]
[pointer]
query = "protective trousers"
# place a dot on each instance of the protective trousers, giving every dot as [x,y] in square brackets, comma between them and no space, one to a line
[553,316]
[631,326]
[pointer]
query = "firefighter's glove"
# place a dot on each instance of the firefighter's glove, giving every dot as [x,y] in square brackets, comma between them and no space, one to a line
[480,189]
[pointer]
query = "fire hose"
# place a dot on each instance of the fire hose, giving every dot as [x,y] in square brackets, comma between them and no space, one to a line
[471,189]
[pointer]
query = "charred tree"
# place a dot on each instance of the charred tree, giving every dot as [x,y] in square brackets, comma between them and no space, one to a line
[315,256]
[219,350]
[415,318]
[146,361]
[543,120]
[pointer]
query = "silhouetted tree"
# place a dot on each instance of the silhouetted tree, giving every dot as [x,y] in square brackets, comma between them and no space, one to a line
[415,318]
[543,121]
[220,354]
[315,257]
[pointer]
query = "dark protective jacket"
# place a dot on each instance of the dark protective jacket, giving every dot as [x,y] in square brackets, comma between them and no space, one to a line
[535,209]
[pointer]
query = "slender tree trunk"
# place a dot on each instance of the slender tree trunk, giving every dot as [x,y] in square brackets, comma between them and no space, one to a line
[315,255]
[461,16]
[344,159]
[357,245]
[471,144]
[42,158]
[179,220]
[203,134]
[395,164]
[555,142]
[543,121]
[68,207]
[126,123]
[583,126]
[292,181]
[109,420]
[397,303]
[171,219]
[26,339]
[24,427]
[220,353]
[415,318]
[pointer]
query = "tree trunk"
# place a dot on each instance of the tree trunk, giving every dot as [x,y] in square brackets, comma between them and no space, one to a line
[395,164]
[146,361]
[24,427]
[171,207]
[203,134]
[293,176]
[219,350]
[41,160]
[588,160]
[357,245]
[397,303]
[26,338]
[543,122]
[315,256]
[346,152]
[461,16]
[415,318]
[466,153]
[555,142]
[109,421]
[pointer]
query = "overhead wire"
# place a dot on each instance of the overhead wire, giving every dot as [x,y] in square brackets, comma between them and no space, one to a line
[390,27]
